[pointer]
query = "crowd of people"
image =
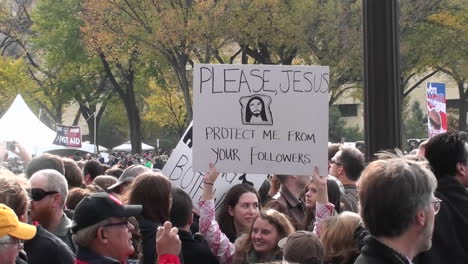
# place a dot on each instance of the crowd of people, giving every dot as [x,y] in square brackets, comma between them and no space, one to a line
[120,160]
[395,209]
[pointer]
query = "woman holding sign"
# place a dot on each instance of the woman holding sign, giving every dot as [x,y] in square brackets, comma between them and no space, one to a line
[258,245]
[238,210]
[311,193]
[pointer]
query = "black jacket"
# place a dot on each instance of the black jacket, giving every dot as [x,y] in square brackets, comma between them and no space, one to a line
[194,251]
[87,256]
[375,252]
[148,233]
[46,248]
[450,238]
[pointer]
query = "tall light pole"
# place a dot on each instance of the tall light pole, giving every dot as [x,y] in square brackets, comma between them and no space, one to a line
[96,147]
[382,75]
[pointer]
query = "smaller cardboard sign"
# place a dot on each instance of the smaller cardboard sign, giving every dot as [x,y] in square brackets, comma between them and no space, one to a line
[179,170]
[68,136]
[436,109]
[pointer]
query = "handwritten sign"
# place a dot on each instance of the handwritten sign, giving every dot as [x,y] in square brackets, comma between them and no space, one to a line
[260,119]
[436,109]
[69,136]
[179,170]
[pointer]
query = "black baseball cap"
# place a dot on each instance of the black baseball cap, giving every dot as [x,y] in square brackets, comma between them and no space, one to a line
[98,207]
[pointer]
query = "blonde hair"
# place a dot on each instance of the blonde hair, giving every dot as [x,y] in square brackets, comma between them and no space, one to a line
[13,192]
[338,236]
[280,221]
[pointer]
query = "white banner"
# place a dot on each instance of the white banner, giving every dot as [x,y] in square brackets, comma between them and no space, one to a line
[260,118]
[179,170]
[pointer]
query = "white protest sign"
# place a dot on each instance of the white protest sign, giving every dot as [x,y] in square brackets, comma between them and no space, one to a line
[179,170]
[260,118]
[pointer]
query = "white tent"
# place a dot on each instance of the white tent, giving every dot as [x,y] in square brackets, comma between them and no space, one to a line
[127,147]
[101,148]
[19,123]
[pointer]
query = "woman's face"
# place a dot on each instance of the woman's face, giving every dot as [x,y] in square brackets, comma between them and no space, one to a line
[264,236]
[255,106]
[310,195]
[245,211]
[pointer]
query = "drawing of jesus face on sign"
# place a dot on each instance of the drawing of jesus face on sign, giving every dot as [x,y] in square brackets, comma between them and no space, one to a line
[256,110]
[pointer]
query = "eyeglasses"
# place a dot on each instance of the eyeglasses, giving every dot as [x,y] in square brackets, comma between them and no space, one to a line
[436,205]
[12,242]
[39,194]
[124,223]
[332,161]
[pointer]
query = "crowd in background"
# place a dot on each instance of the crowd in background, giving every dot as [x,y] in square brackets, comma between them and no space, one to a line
[122,209]
[114,159]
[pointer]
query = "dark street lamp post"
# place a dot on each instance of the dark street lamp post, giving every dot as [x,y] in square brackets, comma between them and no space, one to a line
[382,104]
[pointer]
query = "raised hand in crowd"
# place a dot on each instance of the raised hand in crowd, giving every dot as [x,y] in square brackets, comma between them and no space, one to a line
[275,185]
[208,182]
[17,149]
[167,240]
[3,153]
[21,152]
[321,186]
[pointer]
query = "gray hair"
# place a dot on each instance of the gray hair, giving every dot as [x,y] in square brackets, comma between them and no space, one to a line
[55,181]
[85,236]
[7,241]
[391,191]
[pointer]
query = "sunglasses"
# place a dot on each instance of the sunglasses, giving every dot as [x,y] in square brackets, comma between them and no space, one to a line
[39,194]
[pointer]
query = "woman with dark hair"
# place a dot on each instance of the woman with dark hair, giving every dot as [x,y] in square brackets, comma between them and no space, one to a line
[238,209]
[153,191]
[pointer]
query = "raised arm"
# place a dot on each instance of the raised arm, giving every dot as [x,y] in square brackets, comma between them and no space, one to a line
[218,242]
[23,153]
[208,183]
[323,209]
[3,153]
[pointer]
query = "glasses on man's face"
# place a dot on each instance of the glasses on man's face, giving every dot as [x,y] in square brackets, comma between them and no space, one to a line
[436,205]
[38,194]
[333,161]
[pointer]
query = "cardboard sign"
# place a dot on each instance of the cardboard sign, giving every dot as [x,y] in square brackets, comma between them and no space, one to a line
[179,170]
[69,136]
[260,118]
[436,109]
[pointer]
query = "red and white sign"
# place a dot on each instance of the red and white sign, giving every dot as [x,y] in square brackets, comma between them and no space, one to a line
[436,109]
[69,136]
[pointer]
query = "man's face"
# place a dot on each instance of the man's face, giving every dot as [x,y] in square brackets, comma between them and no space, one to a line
[119,237]
[42,210]
[463,170]
[256,107]
[335,165]
[428,230]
